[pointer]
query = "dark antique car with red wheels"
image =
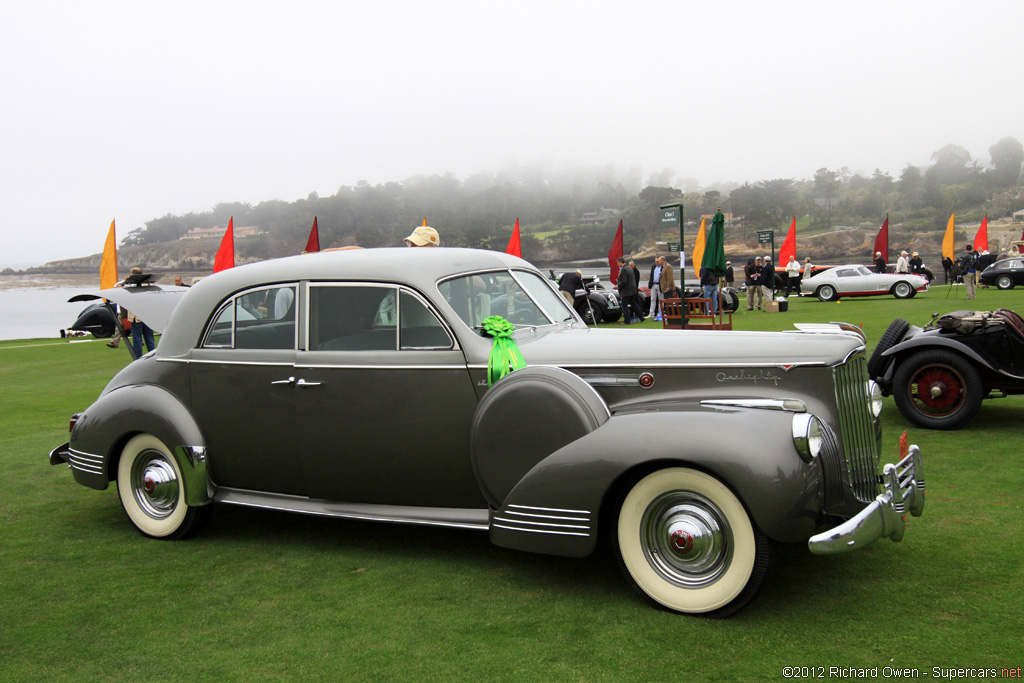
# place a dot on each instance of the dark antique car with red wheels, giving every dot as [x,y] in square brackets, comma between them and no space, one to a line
[939,374]
[362,384]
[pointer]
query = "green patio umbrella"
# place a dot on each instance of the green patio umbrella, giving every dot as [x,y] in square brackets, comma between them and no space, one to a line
[714,246]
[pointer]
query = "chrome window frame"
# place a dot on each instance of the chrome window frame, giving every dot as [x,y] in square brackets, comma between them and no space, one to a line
[231,301]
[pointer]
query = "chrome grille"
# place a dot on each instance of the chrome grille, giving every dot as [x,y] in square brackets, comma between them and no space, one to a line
[832,467]
[857,427]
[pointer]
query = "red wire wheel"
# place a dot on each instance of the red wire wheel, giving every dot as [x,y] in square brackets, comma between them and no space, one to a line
[937,389]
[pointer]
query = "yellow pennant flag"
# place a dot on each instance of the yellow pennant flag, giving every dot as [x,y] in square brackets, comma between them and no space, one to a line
[698,249]
[108,266]
[947,242]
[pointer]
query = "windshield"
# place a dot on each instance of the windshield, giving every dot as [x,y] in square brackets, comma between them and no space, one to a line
[522,298]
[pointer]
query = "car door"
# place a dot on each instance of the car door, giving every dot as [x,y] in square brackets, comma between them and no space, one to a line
[385,415]
[243,391]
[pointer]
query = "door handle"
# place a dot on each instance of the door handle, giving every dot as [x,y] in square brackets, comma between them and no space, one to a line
[290,380]
[304,383]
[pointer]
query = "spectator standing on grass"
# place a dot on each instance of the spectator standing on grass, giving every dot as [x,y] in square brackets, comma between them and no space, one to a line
[768,280]
[968,265]
[879,262]
[569,284]
[709,288]
[903,264]
[792,275]
[947,269]
[626,284]
[751,273]
[654,285]
[140,330]
[730,274]
[916,264]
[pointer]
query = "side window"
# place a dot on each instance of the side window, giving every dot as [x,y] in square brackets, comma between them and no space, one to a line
[846,273]
[352,318]
[419,328]
[258,319]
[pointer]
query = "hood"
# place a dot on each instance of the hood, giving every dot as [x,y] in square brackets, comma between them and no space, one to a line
[152,304]
[578,347]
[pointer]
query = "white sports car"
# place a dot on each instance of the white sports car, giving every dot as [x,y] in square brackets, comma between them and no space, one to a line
[857,280]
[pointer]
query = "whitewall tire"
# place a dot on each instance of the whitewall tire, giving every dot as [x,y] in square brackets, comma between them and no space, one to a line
[687,543]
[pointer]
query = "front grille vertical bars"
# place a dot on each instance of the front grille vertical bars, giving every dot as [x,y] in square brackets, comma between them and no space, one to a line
[856,426]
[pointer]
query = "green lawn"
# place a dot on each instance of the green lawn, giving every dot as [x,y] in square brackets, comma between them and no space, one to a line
[261,595]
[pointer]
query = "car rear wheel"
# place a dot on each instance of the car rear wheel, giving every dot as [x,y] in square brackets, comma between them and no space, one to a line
[152,494]
[938,389]
[827,293]
[902,290]
[687,544]
[1004,282]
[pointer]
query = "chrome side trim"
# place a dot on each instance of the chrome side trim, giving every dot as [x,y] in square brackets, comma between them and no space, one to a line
[669,364]
[541,531]
[611,380]
[790,404]
[531,507]
[229,362]
[89,463]
[462,518]
[307,366]
[543,523]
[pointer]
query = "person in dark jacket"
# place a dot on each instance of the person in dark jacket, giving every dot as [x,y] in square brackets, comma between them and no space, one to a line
[569,284]
[626,284]
[751,278]
[879,262]
[730,274]
[768,280]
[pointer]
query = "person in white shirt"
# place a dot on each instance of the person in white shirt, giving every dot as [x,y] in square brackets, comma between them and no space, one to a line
[902,263]
[792,275]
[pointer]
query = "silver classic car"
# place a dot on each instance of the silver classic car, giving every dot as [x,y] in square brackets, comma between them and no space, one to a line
[856,280]
[361,384]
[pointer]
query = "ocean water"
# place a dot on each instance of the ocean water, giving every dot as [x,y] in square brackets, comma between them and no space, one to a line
[36,306]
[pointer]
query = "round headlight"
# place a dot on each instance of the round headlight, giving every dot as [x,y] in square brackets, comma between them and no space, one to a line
[807,435]
[875,397]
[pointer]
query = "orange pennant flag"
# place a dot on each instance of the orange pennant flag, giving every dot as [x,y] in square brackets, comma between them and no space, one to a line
[108,266]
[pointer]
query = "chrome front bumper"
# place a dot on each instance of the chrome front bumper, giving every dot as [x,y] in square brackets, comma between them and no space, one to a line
[886,516]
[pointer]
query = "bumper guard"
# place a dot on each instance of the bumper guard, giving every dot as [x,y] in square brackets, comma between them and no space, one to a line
[886,516]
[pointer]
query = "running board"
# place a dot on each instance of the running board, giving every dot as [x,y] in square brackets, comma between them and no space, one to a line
[463,518]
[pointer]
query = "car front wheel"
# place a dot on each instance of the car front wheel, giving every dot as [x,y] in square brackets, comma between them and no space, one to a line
[938,389]
[685,542]
[902,290]
[152,493]
[1004,282]
[827,293]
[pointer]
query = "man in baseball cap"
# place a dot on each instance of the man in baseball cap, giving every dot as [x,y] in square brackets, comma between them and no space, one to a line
[423,236]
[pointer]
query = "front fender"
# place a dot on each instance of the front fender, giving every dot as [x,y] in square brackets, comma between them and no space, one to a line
[933,341]
[104,428]
[555,508]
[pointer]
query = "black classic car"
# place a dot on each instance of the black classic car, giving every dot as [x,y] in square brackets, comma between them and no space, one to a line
[1004,274]
[596,303]
[940,373]
[368,384]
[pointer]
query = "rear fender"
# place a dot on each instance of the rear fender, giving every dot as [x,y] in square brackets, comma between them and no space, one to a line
[106,426]
[555,508]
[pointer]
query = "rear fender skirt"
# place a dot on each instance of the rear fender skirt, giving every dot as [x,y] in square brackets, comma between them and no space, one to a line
[116,416]
[555,508]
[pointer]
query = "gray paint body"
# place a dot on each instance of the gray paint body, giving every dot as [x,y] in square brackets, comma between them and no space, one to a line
[394,430]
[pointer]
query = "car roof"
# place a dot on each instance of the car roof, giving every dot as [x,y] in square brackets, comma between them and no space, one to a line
[419,268]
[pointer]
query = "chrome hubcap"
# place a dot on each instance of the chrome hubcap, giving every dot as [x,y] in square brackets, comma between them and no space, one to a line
[155,484]
[686,539]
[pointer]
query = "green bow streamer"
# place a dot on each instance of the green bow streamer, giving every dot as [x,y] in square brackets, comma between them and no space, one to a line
[505,355]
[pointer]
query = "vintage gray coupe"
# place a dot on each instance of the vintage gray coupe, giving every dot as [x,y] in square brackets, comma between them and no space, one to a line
[357,384]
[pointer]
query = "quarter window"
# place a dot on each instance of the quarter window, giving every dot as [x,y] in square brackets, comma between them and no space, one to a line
[258,319]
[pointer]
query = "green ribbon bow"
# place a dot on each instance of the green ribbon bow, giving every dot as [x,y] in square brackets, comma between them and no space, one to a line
[505,355]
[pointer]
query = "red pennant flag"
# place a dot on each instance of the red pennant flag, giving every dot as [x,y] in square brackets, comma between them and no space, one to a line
[981,239]
[313,243]
[882,241]
[514,247]
[615,253]
[788,245]
[226,254]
